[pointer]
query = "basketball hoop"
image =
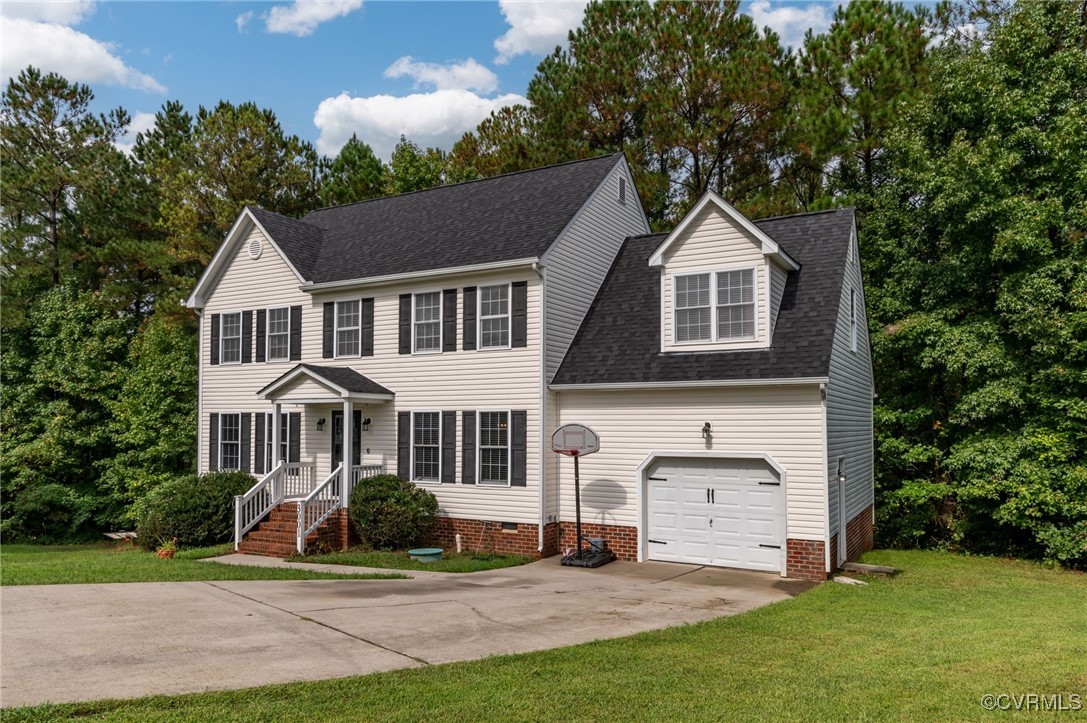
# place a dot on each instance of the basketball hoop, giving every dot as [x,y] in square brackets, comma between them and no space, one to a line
[577,440]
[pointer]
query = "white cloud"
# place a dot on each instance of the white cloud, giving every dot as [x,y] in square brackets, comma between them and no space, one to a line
[467,75]
[140,123]
[429,119]
[302,17]
[60,49]
[242,20]
[536,26]
[792,20]
[61,12]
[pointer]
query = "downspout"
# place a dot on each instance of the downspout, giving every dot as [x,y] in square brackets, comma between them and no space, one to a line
[199,384]
[826,478]
[541,270]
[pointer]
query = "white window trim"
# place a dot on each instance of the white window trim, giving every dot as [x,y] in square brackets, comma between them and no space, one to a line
[479,447]
[219,452]
[222,337]
[852,318]
[714,338]
[268,334]
[336,330]
[479,317]
[441,322]
[411,470]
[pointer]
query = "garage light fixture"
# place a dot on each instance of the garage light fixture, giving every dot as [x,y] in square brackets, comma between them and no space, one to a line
[706,430]
[320,424]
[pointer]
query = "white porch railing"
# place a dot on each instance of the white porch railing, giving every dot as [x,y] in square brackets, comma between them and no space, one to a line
[299,478]
[250,508]
[365,471]
[318,505]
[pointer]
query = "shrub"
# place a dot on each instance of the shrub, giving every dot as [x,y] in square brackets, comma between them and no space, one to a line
[197,511]
[389,512]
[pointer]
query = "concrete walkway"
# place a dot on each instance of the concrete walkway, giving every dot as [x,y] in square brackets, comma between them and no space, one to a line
[84,642]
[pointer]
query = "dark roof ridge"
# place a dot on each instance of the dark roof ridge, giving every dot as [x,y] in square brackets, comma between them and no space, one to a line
[464,183]
[804,213]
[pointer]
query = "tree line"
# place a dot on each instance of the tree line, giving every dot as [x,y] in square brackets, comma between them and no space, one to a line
[959,134]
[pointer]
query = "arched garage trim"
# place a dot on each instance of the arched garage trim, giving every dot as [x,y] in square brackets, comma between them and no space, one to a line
[657,455]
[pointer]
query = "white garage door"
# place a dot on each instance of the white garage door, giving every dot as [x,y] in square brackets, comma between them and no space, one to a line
[725,512]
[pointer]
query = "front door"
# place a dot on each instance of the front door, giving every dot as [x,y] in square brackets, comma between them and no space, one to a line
[337,438]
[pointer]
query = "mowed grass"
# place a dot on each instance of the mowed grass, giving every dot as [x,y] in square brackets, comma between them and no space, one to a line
[400,560]
[116,562]
[925,645]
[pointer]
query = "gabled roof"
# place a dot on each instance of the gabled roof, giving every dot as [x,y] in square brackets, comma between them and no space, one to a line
[342,381]
[619,340]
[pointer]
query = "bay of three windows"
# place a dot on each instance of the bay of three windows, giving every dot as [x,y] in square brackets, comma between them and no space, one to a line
[714,306]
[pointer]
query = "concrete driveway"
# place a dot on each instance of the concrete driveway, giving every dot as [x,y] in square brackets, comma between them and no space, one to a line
[65,643]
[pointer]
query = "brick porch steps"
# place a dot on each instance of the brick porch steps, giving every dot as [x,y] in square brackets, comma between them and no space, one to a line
[276,535]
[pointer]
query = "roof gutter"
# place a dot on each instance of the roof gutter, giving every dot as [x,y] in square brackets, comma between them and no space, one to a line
[713,383]
[312,288]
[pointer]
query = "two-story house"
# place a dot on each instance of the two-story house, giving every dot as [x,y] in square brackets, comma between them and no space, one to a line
[443,335]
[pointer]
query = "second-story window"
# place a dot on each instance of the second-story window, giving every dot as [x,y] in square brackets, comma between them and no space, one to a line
[494,317]
[736,304]
[348,331]
[231,339]
[279,334]
[428,322]
[692,304]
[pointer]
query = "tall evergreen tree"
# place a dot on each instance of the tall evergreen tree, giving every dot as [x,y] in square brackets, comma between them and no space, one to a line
[356,174]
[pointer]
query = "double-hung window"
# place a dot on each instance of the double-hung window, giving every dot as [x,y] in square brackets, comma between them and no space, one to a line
[736,304]
[692,305]
[230,338]
[494,317]
[494,448]
[425,446]
[279,334]
[427,326]
[230,441]
[348,328]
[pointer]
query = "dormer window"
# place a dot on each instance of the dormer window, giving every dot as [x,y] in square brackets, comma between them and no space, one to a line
[729,317]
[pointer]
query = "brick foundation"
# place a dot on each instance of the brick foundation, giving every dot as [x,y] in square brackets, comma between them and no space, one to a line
[859,535]
[623,541]
[489,537]
[806,560]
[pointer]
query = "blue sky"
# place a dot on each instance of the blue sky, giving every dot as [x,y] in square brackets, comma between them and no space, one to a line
[431,70]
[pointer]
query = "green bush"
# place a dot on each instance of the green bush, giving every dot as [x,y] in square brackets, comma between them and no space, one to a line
[390,513]
[198,511]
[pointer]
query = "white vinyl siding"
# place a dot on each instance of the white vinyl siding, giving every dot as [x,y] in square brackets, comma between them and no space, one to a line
[279,334]
[494,448]
[230,441]
[784,422]
[494,317]
[348,328]
[427,322]
[230,338]
[693,308]
[426,448]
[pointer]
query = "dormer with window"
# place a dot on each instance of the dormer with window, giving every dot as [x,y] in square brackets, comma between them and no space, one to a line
[722,281]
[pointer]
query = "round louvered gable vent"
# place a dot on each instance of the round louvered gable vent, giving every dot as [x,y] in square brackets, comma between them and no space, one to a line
[255,248]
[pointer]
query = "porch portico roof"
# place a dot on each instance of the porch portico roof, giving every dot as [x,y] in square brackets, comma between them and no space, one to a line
[340,384]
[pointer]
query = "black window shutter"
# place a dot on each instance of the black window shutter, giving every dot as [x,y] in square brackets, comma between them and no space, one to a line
[403,445]
[469,318]
[519,305]
[449,447]
[261,327]
[328,336]
[214,338]
[245,439]
[367,327]
[449,320]
[468,448]
[258,447]
[247,337]
[519,449]
[405,323]
[213,443]
[294,448]
[296,333]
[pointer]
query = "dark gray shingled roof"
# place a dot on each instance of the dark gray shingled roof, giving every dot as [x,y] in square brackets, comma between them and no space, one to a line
[347,378]
[504,218]
[619,340]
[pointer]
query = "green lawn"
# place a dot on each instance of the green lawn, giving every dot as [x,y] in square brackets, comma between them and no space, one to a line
[399,560]
[925,645]
[113,562]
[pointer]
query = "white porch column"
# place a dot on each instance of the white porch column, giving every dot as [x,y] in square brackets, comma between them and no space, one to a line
[348,450]
[275,435]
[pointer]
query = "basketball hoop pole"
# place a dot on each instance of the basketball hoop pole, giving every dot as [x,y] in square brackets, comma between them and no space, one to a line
[577,501]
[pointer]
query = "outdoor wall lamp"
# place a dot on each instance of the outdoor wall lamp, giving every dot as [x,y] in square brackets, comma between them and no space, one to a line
[706,430]
[321,424]
[366,425]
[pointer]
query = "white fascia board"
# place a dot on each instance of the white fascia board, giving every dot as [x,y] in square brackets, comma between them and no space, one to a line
[298,372]
[337,400]
[311,288]
[769,246]
[215,268]
[713,383]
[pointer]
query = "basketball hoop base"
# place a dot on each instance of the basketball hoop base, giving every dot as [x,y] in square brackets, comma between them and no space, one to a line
[588,559]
